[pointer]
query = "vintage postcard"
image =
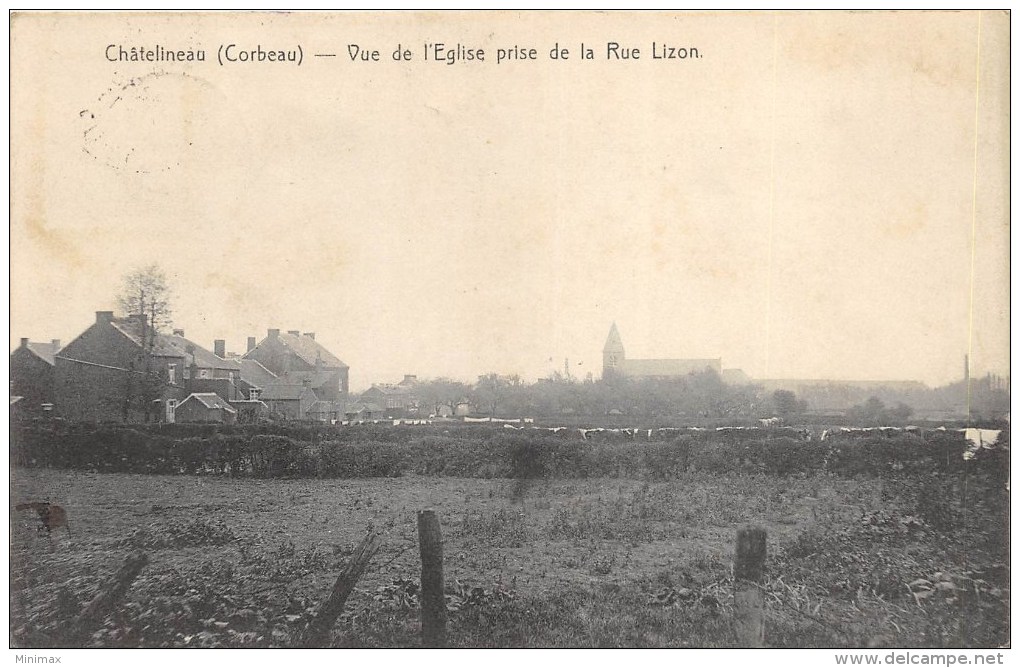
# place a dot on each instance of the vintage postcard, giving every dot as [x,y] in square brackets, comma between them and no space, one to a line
[510,329]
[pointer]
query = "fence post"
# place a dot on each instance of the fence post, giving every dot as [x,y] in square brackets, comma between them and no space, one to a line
[748,599]
[433,602]
[317,632]
[109,593]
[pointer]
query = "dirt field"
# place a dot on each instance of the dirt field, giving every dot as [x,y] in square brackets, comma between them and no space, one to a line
[597,562]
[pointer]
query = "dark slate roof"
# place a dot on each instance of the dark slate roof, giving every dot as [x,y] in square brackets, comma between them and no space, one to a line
[613,341]
[44,351]
[680,367]
[283,392]
[310,350]
[363,407]
[248,403]
[203,358]
[389,390]
[170,345]
[254,373]
[211,400]
[132,328]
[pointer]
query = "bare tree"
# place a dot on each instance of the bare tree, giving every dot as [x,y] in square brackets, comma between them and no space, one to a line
[145,295]
[145,292]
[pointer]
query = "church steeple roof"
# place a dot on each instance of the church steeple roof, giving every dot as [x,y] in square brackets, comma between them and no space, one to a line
[613,342]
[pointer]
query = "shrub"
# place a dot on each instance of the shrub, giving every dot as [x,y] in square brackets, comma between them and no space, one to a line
[663,461]
[506,528]
[527,460]
[300,451]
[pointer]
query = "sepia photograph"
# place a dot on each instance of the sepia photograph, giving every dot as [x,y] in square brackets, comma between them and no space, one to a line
[510,330]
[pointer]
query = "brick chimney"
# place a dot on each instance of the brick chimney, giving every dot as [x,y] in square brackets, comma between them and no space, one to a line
[251,343]
[273,333]
[104,317]
[220,348]
[310,335]
[294,332]
[24,342]
[179,332]
[410,378]
[55,343]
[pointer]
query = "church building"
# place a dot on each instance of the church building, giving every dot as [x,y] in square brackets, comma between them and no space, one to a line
[614,360]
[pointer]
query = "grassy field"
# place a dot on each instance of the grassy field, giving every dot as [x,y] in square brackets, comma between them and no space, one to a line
[863,562]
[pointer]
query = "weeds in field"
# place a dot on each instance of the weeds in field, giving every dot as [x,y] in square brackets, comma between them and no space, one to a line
[934,504]
[504,528]
[586,520]
[602,564]
[176,534]
[916,560]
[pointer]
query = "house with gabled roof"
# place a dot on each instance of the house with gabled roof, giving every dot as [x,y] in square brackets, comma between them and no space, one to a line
[361,411]
[120,369]
[205,407]
[325,411]
[250,411]
[32,375]
[206,364]
[396,400]
[288,401]
[256,377]
[300,357]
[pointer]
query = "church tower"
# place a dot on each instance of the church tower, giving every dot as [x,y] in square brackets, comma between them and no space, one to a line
[612,354]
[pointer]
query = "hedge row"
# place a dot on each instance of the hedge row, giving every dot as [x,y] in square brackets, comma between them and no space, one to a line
[499,455]
[309,431]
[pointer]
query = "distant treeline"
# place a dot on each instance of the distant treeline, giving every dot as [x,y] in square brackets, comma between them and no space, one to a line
[309,451]
[706,397]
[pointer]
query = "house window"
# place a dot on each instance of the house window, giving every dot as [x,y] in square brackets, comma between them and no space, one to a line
[172,374]
[187,373]
[203,373]
[253,394]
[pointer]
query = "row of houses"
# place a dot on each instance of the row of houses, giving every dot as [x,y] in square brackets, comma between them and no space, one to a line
[120,369]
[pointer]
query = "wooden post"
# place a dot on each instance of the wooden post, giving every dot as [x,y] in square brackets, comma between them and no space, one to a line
[109,593]
[433,601]
[748,599]
[317,632]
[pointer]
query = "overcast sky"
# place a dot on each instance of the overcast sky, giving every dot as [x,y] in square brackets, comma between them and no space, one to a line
[798,201]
